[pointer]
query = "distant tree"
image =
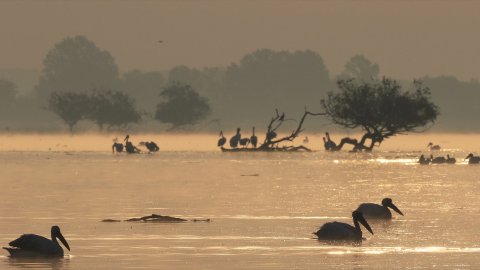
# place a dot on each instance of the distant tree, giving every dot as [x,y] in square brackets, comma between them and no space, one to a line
[8,91]
[70,107]
[112,108]
[143,87]
[267,79]
[361,69]
[381,109]
[182,106]
[76,64]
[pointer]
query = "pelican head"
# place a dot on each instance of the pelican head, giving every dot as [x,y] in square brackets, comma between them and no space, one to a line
[387,202]
[57,234]
[469,156]
[126,138]
[221,133]
[430,144]
[358,217]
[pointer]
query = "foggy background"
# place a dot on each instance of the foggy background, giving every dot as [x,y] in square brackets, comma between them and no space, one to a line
[246,58]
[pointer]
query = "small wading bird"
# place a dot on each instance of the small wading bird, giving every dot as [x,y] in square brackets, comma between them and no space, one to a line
[32,245]
[342,231]
[376,211]
[253,138]
[473,159]
[222,139]
[433,147]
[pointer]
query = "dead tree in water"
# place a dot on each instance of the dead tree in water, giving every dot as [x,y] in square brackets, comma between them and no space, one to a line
[272,142]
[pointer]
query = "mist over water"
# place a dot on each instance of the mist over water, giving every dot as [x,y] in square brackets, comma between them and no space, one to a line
[263,206]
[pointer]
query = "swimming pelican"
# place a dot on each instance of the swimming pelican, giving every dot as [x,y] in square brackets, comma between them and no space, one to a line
[117,147]
[151,146]
[376,211]
[235,139]
[433,147]
[450,160]
[222,139]
[438,160]
[424,161]
[253,138]
[342,231]
[473,159]
[32,245]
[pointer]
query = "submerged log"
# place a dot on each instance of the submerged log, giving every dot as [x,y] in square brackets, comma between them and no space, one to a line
[157,218]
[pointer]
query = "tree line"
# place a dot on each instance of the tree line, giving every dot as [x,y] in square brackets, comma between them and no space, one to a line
[242,93]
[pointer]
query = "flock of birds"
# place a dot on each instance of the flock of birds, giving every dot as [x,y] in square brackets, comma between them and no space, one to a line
[445,160]
[132,149]
[32,245]
[237,140]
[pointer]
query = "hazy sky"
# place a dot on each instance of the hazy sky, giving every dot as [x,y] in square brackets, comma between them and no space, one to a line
[406,38]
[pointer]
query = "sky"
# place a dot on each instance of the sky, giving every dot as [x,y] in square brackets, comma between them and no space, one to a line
[408,39]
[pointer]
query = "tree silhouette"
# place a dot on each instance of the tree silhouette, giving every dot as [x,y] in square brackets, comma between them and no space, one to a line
[182,106]
[360,69]
[112,108]
[381,109]
[76,64]
[70,107]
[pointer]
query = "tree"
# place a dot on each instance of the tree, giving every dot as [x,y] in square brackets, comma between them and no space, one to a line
[267,79]
[381,109]
[112,108]
[71,107]
[182,106]
[143,87]
[76,64]
[360,69]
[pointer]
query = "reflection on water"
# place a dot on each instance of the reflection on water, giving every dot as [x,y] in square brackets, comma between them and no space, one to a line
[260,222]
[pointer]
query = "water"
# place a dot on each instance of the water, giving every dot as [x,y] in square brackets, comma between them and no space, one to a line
[263,206]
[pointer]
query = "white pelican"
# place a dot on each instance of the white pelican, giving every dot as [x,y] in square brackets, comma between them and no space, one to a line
[433,147]
[372,210]
[342,231]
[32,245]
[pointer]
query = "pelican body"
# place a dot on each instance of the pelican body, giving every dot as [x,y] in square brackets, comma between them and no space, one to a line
[450,160]
[438,160]
[376,211]
[434,147]
[424,161]
[342,231]
[253,138]
[222,140]
[235,139]
[32,245]
[473,159]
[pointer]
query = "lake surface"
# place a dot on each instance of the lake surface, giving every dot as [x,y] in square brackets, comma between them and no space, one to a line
[263,206]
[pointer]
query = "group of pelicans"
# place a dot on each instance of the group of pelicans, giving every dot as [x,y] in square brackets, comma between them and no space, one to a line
[132,149]
[442,160]
[237,140]
[32,245]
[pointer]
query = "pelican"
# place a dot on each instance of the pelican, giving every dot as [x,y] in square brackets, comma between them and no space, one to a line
[253,138]
[32,245]
[450,160]
[424,161]
[117,147]
[342,231]
[129,147]
[222,139]
[151,146]
[328,143]
[376,211]
[438,160]
[235,139]
[473,159]
[244,142]
[433,147]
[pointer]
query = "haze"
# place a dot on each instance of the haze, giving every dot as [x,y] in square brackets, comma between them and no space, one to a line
[407,39]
